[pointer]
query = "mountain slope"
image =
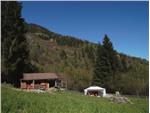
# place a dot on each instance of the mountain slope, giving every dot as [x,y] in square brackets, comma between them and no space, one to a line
[74,58]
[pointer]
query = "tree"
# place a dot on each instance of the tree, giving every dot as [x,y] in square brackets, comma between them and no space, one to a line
[111,54]
[106,65]
[102,67]
[63,55]
[14,44]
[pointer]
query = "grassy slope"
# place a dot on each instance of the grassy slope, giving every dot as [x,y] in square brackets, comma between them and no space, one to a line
[64,102]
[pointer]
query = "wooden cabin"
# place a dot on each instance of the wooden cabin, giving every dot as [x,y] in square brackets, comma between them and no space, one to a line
[42,81]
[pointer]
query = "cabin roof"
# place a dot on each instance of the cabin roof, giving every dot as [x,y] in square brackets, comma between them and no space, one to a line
[39,76]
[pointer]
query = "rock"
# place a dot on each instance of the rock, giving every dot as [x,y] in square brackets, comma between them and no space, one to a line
[117,93]
[120,99]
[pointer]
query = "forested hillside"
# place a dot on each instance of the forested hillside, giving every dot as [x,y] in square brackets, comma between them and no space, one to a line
[75,60]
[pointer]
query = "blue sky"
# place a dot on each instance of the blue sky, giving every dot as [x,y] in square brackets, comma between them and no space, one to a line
[126,23]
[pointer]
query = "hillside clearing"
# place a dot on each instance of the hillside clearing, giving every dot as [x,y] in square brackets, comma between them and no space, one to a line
[14,101]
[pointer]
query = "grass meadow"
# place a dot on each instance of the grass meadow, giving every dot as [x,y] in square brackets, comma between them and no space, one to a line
[14,101]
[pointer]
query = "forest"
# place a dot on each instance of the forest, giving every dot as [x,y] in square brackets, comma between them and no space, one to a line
[32,48]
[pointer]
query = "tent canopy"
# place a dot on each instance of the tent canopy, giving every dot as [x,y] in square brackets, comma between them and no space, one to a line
[95,88]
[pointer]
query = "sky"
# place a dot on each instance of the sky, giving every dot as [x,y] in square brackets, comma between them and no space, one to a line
[125,23]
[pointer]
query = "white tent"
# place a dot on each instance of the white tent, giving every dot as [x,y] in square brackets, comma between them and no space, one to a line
[100,91]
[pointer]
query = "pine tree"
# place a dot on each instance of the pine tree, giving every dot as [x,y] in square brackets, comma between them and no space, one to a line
[111,54]
[102,67]
[106,64]
[14,44]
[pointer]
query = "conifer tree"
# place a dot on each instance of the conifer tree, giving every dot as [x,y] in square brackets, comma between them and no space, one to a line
[106,64]
[14,44]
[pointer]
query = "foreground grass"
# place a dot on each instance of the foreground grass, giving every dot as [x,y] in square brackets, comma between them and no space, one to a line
[64,102]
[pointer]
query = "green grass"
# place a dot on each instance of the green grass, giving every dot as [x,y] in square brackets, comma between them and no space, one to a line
[64,102]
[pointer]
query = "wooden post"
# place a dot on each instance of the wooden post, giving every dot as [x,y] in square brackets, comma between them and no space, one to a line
[20,83]
[55,83]
[66,84]
[33,83]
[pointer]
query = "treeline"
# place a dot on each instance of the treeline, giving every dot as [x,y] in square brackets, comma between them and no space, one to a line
[59,39]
